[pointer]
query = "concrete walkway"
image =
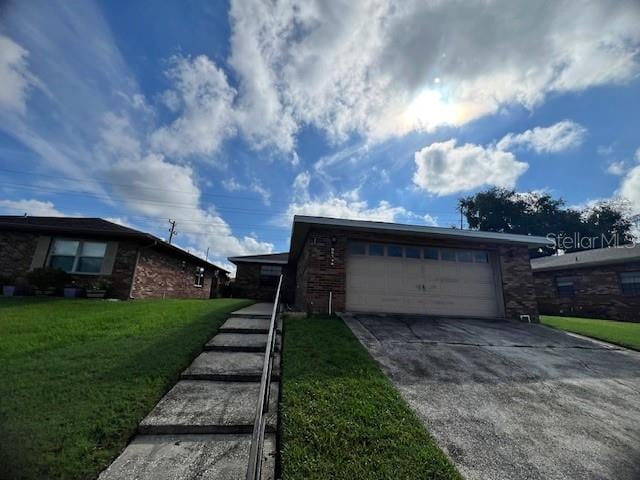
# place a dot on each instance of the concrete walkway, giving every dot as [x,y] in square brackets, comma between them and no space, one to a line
[202,427]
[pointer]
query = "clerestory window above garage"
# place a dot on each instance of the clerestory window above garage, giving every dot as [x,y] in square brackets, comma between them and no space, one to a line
[419,253]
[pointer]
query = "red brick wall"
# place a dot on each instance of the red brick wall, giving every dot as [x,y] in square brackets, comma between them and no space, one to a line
[598,293]
[319,271]
[159,275]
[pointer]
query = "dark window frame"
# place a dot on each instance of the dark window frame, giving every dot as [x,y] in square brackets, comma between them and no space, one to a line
[199,277]
[630,289]
[78,256]
[269,279]
[565,290]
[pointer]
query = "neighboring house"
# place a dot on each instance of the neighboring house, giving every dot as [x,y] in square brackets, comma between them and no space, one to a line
[364,266]
[137,264]
[257,275]
[602,283]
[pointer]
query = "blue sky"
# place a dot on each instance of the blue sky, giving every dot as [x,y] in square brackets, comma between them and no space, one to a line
[232,117]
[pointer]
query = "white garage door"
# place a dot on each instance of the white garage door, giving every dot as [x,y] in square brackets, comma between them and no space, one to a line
[423,280]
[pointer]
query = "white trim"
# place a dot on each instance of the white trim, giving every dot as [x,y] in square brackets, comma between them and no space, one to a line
[257,260]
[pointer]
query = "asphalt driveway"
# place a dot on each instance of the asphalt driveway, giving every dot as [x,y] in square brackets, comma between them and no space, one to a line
[508,400]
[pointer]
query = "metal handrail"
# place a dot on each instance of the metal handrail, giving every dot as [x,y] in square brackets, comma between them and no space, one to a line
[254,470]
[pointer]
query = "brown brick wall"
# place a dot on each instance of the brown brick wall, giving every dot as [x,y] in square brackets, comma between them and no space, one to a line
[319,271]
[247,284]
[17,250]
[598,293]
[517,281]
[159,275]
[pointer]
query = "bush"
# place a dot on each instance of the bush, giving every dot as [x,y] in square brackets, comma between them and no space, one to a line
[43,278]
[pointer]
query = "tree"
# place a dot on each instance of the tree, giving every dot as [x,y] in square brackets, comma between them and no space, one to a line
[500,210]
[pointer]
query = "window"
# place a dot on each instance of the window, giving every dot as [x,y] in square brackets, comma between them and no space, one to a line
[269,274]
[565,286]
[199,281]
[431,253]
[376,250]
[481,257]
[412,252]
[448,255]
[357,249]
[630,282]
[465,256]
[77,256]
[394,251]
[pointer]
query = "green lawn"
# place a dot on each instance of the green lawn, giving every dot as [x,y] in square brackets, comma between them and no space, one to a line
[626,334]
[342,418]
[78,376]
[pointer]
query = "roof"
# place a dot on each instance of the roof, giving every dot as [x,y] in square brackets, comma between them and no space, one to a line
[587,258]
[93,227]
[79,225]
[302,225]
[270,258]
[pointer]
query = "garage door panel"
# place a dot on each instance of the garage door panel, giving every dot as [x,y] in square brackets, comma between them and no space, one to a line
[421,286]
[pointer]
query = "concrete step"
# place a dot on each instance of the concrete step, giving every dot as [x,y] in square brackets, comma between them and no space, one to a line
[247,325]
[230,367]
[257,310]
[187,457]
[206,407]
[240,342]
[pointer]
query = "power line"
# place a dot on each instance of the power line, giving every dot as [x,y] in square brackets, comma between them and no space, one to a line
[137,187]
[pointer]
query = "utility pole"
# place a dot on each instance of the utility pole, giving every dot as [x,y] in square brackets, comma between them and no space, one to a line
[206,258]
[172,230]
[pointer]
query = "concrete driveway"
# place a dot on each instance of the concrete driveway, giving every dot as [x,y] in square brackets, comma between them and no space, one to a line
[508,400]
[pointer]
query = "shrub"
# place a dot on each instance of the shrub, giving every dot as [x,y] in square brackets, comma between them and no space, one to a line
[43,278]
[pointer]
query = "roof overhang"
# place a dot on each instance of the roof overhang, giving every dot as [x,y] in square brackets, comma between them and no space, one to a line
[303,224]
[237,260]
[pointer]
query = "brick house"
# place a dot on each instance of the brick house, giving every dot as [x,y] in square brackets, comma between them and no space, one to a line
[351,265]
[257,275]
[135,263]
[602,283]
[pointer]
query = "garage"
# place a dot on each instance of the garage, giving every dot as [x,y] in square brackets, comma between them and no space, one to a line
[426,280]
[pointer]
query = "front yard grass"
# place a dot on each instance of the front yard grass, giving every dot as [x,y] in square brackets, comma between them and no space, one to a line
[626,334]
[342,418]
[78,375]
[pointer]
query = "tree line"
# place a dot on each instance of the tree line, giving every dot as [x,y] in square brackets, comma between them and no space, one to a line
[598,225]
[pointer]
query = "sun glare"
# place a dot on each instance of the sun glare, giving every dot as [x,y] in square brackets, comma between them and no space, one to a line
[429,110]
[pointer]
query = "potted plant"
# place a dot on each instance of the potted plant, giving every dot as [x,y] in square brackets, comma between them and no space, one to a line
[12,287]
[8,285]
[71,290]
[47,280]
[98,289]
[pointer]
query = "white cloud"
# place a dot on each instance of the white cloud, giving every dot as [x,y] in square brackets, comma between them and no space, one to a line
[32,207]
[444,168]
[206,116]
[232,185]
[75,132]
[617,168]
[15,78]
[349,208]
[301,185]
[371,67]
[630,188]
[555,138]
